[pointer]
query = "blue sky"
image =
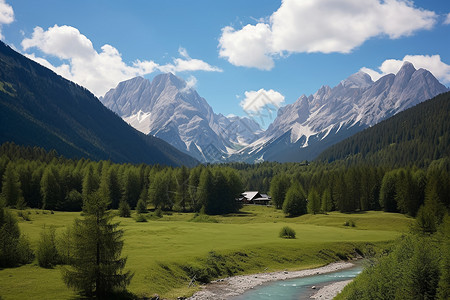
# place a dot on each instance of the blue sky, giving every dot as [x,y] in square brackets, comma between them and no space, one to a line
[229,49]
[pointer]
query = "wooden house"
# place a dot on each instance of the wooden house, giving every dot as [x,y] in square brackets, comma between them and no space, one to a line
[254,197]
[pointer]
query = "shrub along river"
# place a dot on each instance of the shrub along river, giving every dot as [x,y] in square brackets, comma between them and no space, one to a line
[298,288]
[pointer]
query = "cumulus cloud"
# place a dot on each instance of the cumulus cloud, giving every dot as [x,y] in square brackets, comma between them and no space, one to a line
[255,101]
[6,15]
[324,26]
[432,63]
[447,19]
[97,71]
[247,47]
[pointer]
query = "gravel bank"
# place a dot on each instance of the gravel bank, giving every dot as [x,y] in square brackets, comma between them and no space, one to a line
[233,286]
[328,292]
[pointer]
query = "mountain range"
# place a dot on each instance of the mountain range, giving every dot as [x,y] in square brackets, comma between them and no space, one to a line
[40,108]
[174,125]
[414,137]
[167,108]
[305,128]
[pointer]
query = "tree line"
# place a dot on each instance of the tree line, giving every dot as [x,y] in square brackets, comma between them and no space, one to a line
[361,188]
[44,180]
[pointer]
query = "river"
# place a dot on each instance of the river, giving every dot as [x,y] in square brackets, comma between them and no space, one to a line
[298,288]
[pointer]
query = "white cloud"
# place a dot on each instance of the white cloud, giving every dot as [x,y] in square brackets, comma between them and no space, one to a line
[447,19]
[247,47]
[183,52]
[432,63]
[97,71]
[254,101]
[192,64]
[6,15]
[324,26]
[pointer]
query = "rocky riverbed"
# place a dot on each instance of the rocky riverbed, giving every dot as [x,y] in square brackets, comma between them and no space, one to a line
[234,286]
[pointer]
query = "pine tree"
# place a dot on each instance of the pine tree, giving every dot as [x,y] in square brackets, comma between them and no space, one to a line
[278,189]
[295,202]
[205,190]
[141,207]
[157,191]
[388,192]
[313,202]
[182,179]
[90,183]
[124,209]
[11,191]
[327,201]
[46,253]
[443,291]
[14,247]
[235,188]
[50,188]
[131,187]
[194,178]
[97,266]
[64,245]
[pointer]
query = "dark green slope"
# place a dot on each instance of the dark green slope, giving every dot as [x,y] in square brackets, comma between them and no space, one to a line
[413,137]
[40,108]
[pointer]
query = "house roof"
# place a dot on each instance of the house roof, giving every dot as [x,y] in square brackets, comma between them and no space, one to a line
[251,195]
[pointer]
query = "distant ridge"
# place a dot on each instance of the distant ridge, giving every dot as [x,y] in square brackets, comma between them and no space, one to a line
[40,108]
[415,136]
[305,128]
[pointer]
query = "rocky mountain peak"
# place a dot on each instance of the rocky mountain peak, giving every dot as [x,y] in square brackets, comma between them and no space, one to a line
[303,129]
[164,109]
[358,80]
[169,79]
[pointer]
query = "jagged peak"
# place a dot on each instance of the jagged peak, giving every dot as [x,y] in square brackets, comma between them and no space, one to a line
[137,79]
[407,64]
[324,89]
[359,80]
[170,78]
[407,68]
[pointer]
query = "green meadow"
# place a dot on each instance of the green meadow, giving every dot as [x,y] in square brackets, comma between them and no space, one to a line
[164,253]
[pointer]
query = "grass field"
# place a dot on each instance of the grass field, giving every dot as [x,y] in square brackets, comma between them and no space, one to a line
[163,253]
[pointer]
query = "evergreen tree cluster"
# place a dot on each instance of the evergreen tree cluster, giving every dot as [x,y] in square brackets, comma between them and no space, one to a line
[418,267]
[14,247]
[338,186]
[30,178]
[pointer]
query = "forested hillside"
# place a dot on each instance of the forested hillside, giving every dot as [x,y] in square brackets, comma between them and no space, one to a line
[40,108]
[416,136]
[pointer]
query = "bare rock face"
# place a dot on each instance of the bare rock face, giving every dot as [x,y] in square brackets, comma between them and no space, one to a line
[167,108]
[303,129]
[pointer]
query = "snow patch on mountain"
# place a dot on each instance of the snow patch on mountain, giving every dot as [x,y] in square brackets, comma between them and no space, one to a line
[332,114]
[141,121]
[168,108]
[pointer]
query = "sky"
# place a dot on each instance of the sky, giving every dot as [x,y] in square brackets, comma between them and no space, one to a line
[230,50]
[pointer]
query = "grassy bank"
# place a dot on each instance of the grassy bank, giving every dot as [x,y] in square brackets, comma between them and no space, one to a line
[164,253]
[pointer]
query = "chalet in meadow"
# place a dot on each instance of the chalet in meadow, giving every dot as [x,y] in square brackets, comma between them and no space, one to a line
[254,197]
